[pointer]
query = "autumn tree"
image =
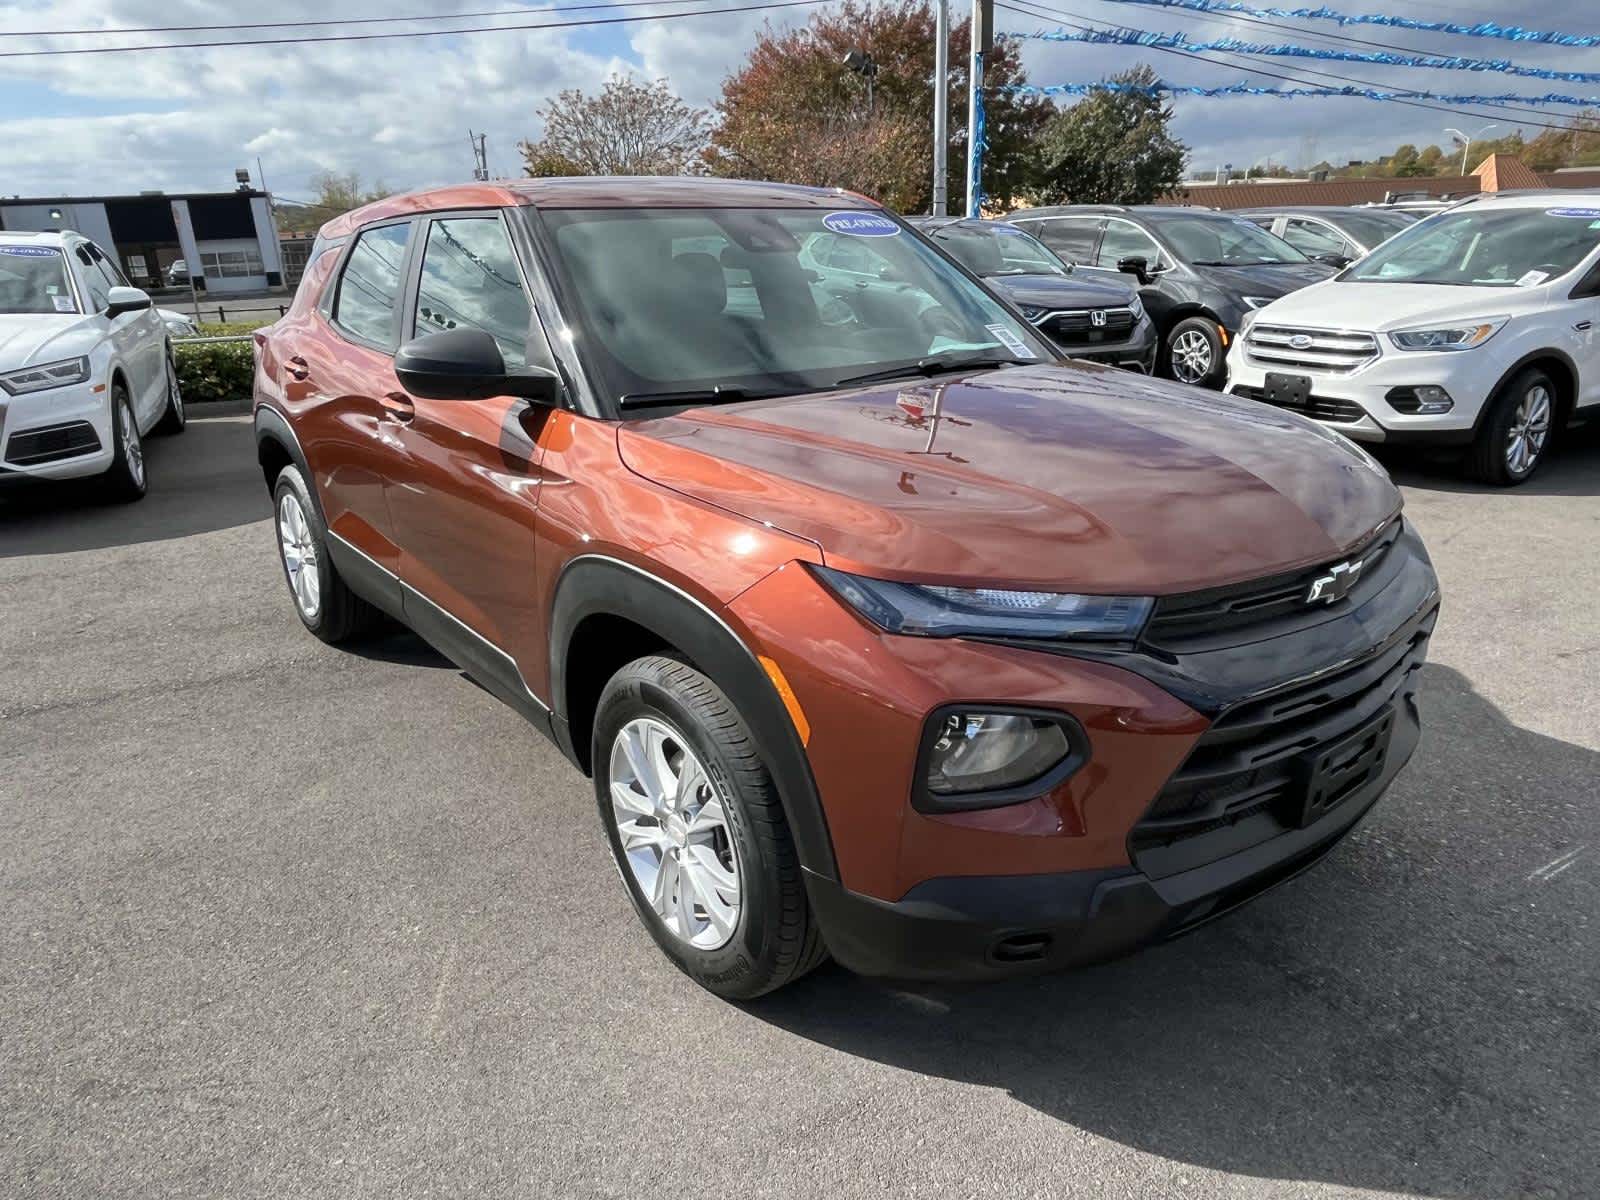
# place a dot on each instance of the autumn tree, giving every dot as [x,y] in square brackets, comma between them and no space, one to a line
[1575,146]
[629,128]
[337,192]
[1111,147]
[794,113]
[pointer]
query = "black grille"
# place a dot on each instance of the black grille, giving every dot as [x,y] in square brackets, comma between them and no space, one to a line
[1076,327]
[1318,408]
[1277,761]
[32,447]
[1189,621]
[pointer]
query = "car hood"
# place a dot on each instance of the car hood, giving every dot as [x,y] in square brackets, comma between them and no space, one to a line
[1278,279]
[30,338]
[1386,306]
[1060,291]
[1072,477]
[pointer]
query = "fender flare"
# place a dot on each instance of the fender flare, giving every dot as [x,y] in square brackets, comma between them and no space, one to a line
[1522,363]
[596,584]
[272,426]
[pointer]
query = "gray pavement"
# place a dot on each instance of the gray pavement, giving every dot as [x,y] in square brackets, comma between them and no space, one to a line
[278,920]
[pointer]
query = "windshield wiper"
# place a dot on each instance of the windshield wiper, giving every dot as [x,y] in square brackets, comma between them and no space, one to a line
[720,394]
[934,364]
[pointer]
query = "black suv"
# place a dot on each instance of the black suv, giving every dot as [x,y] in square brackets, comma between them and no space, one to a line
[1085,313]
[1199,271]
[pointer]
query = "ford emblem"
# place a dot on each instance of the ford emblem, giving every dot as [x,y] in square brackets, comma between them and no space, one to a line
[1300,341]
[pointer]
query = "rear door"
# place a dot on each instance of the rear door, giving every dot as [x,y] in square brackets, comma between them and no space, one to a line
[465,499]
[340,387]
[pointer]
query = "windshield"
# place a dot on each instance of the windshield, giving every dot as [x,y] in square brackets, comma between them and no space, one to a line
[1371,229]
[1213,241]
[1481,247]
[989,250]
[764,301]
[33,279]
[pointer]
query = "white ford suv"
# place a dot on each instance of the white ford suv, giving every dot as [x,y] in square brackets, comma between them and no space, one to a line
[86,365]
[1474,327]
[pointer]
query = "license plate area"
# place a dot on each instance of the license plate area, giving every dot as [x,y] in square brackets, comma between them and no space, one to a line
[1330,776]
[1289,391]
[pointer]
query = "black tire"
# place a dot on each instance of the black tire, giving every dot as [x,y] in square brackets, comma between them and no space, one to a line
[1177,360]
[337,614]
[126,479]
[775,939]
[1489,459]
[174,419]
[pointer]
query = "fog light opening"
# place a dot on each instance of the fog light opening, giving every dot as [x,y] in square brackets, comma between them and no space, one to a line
[979,751]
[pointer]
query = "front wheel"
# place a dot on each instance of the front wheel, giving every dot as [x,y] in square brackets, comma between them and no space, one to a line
[1515,433]
[173,418]
[698,833]
[125,479]
[1193,353]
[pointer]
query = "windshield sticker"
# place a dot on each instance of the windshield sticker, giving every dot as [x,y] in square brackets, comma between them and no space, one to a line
[1533,278]
[52,252]
[1580,213]
[62,303]
[1012,342]
[864,224]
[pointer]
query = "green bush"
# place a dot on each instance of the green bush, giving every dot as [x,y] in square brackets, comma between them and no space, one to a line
[215,371]
[231,328]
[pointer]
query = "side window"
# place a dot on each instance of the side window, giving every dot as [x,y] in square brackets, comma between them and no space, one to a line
[95,281]
[1070,237]
[1309,237]
[109,266]
[1125,240]
[369,289]
[470,280]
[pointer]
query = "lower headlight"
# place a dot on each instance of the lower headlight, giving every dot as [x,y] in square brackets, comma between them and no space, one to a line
[928,610]
[1136,306]
[984,757]
[46,375]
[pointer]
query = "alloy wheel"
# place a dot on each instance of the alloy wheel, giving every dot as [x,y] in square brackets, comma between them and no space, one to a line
[299,555]
[174,392]
[1529,430]
[1191,356]
[674,833]
[132,447]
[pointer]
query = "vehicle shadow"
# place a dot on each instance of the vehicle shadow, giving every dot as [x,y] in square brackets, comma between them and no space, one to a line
[1417,1014]
[202,480]
[1573,468]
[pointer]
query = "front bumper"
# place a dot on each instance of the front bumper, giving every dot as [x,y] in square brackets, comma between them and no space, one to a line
[1357,404]
[60,433]
[1136,352]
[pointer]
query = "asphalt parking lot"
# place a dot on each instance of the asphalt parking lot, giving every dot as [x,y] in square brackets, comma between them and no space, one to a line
[279,920]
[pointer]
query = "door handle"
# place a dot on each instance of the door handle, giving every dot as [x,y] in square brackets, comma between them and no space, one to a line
[398,405]
[297,366]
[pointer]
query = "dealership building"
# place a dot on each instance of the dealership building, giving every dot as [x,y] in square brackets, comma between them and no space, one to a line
[225,241]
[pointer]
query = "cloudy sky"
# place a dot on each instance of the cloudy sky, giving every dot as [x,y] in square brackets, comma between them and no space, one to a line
[400,109]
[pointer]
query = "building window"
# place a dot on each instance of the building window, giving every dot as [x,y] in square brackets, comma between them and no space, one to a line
[231,264]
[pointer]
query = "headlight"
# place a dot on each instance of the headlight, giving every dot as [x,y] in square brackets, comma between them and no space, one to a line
[1136,307]
[930,611]
[1031,311]
[984,756]
[1466,336]
[48,375]
[1254,302]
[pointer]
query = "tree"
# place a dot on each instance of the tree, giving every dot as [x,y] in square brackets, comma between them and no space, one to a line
[336,193]
[794,113]
[630,128]
[1576,145]
[1112,147]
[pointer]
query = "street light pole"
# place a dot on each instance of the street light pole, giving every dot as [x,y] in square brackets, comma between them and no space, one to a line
[1467,146]
[941,108]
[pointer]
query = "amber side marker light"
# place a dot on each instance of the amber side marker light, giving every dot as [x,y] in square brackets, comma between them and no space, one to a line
[790,700]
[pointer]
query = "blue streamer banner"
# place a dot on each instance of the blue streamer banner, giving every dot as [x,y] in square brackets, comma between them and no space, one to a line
[1178,41]
[1246,89]
[1482,29]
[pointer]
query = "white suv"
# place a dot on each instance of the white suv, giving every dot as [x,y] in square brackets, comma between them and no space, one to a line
[86,365]
[1475,327]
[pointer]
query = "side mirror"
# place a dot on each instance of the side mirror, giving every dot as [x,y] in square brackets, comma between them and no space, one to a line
[1136,265]
[465,364]
[121,300]
[1334,260]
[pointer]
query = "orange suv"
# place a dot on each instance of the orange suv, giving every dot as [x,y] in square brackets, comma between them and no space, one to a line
[884,631]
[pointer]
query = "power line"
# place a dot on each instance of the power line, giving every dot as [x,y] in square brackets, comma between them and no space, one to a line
[460,16]
[410,33]
[1040,12]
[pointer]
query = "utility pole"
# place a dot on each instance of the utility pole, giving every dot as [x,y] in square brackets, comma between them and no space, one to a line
[480,170]
[979,42]
[941,108]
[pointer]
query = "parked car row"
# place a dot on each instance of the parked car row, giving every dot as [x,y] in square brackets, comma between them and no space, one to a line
[86,365]
[884,631]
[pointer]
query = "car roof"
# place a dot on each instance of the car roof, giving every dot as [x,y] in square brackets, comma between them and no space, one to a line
[1540,198]
[50,237]
[1305,210]
[601,191]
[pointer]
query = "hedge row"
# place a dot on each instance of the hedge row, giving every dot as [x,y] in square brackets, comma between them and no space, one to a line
[215,370]
[230,328]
